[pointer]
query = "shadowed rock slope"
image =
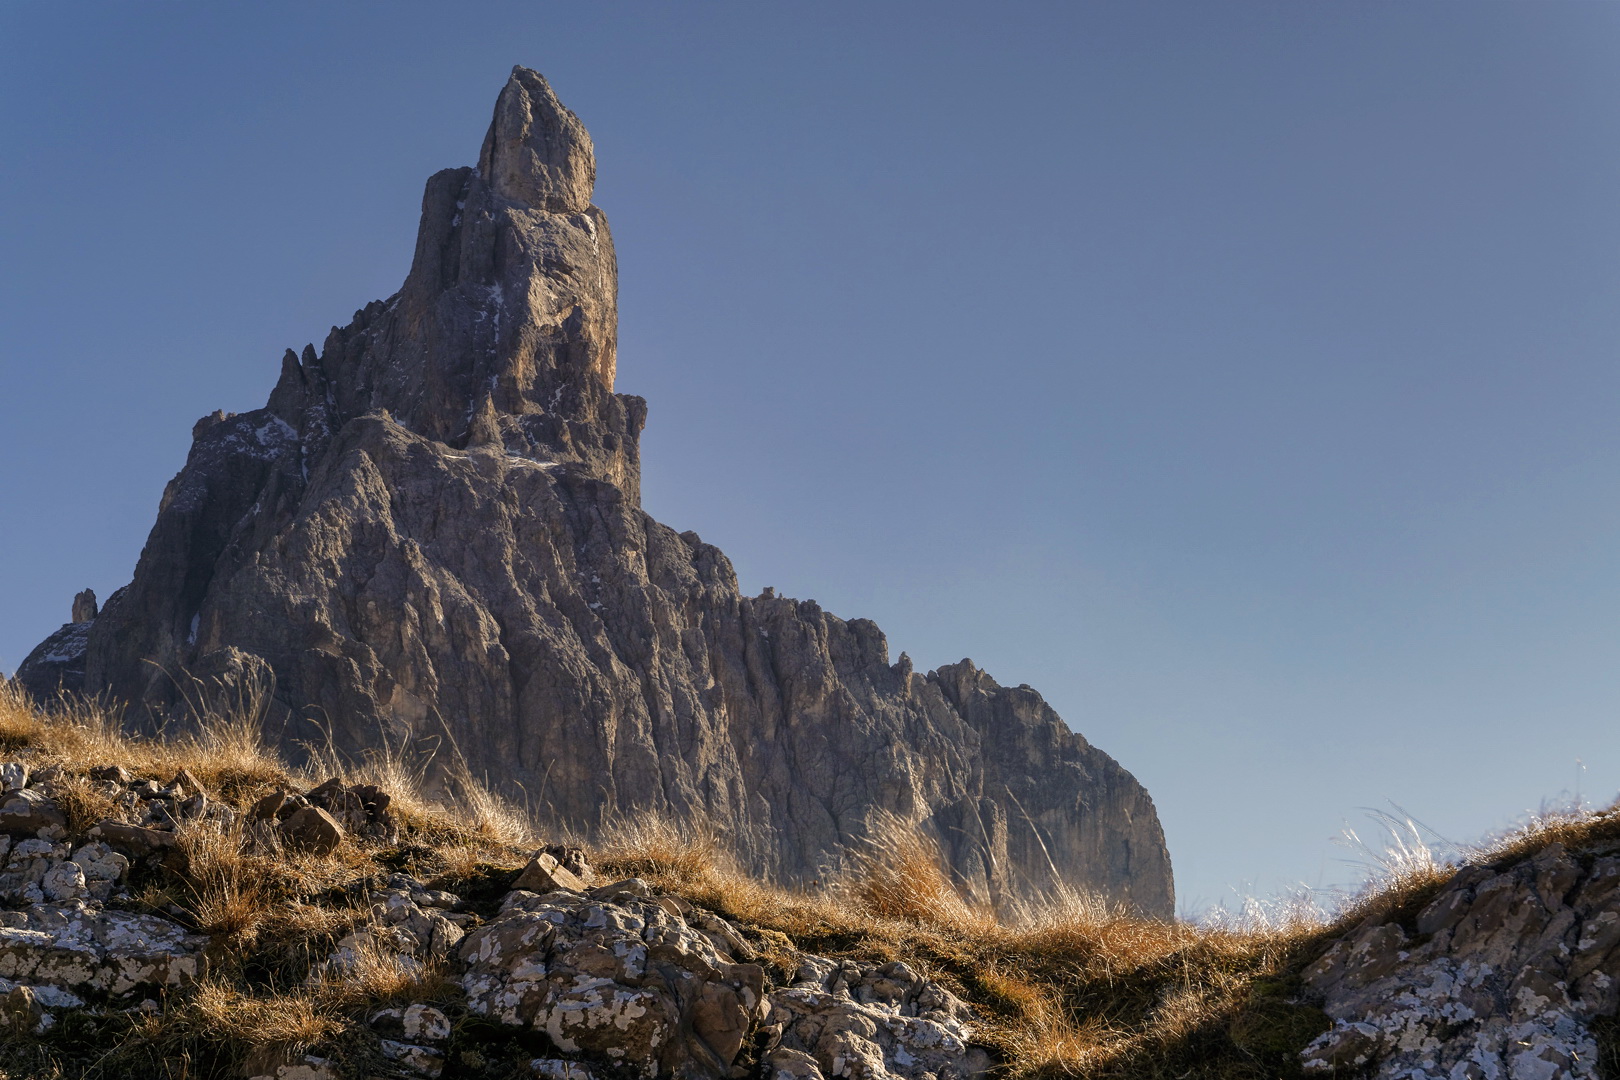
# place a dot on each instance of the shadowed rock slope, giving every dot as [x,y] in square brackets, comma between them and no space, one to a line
[431,539]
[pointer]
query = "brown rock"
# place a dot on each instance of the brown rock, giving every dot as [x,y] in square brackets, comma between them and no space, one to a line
[265,808]
[544,873]
[20,1011]
[373,798]
[136,841]
[537,152]
[26,812]
[84,607]
[345,806]
[320,792]
[312,830]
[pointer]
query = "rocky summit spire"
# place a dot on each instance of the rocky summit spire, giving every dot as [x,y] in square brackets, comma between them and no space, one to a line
[509,314]
[431,540]
[537,152]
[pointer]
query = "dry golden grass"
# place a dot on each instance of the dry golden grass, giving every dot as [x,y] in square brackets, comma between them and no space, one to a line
[1066,986]
[296,1019]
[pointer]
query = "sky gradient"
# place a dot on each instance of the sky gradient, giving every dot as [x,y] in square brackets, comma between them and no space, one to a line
[1241,376]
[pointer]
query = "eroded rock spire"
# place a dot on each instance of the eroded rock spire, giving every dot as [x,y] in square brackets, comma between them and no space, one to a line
[430,540]
[537,152]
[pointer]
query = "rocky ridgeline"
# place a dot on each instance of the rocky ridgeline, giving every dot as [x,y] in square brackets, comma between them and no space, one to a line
[432,534]
[613,979]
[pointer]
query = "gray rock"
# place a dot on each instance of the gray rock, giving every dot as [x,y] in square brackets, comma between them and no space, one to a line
[56,665]
[84,950]
[634,982]
[13,776]
[537,152]
[432,534]
[1507,970]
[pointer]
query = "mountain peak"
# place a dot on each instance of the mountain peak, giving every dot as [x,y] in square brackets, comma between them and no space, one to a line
[537,152]
[431,538]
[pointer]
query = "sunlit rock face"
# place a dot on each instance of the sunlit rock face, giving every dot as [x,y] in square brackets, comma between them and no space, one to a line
[431,539]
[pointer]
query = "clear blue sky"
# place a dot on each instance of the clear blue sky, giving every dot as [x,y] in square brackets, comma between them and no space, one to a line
[1242,376]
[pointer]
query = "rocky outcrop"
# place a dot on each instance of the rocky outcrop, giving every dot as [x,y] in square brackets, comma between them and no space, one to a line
[61,948]
[623,976]
[56,665]
[1501,975]
[430,539]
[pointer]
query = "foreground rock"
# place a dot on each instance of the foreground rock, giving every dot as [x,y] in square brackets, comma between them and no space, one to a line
[80,949]
[624,977]
[1501,976]
[433,533]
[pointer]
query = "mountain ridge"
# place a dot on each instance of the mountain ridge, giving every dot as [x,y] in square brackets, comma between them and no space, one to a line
[432,532]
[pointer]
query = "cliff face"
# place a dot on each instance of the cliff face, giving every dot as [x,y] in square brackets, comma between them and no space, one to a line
[431,536]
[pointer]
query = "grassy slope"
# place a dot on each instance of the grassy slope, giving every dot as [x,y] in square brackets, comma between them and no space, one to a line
[1068,989]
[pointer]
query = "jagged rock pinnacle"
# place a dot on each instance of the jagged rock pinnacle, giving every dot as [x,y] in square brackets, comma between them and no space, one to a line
[431,540]
[537,152]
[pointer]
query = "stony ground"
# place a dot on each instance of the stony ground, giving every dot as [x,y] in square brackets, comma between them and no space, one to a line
[194,907]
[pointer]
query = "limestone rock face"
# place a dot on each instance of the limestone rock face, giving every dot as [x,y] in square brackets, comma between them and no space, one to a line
[431,538]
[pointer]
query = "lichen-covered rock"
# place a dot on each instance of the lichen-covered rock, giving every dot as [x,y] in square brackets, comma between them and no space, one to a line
[877,1022]
[1500,977]
[407,927]
[13,776]
[416,1023]
[426,1061]
[628,978]
[302,1067]
[432,534]
[80,948]
[35,871]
